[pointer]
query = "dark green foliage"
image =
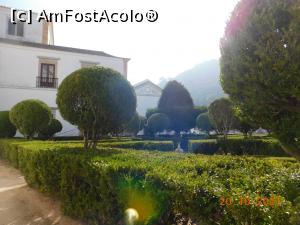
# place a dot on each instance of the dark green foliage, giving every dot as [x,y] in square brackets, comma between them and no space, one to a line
[251,147]
[52,128]
[203,122]
[177,103]
[199,110]
[158,122]
[243,123]
[98,100]
[95,185]
[222,116]
[30,116]
[143,121]
[140,145]
[191,117]
[237,147]
[260,66]
[246,128]
[135,124]
[206,147]
[7,129]
[150,112]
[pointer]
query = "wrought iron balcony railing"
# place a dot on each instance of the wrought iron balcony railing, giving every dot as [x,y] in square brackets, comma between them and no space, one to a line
[46,82]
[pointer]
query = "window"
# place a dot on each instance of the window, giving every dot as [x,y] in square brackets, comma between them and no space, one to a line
[47,77]
[47,70]
[15,29]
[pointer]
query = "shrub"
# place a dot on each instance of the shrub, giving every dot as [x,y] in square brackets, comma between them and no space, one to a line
[251,147]
[151,111]
[98,100]
[237,146]
[98,186]
[53,127]
[177,103]
[7,129]
[221,115]
[158,122]
[244,124]
[30,116]
[135,124]
[140,145]
[207,147]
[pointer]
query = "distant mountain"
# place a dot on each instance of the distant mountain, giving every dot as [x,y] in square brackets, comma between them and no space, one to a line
[202,81]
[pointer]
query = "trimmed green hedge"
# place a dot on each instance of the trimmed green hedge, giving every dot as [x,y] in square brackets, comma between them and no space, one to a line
[252,147]
[98,186]
[206,146]
[267,147]
[140,145]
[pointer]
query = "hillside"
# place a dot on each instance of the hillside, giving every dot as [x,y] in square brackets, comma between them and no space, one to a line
[202,81]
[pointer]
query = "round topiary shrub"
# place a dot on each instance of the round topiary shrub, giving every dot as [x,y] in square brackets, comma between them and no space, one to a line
[98,100]
[30,116]
[7,129]
[158,122]
[53,127]
[177,103]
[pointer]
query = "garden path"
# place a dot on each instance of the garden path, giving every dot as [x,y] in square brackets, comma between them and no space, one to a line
[22,205]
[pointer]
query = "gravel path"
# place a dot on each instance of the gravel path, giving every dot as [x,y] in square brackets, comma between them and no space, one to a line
[22,205]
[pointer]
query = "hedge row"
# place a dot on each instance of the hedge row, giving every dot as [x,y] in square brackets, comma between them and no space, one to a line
[140,145]
[98,186]
[267,147]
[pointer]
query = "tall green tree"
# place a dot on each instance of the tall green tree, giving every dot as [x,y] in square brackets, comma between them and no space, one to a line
[260,66]
[98,100]
[177,104]
[221,114]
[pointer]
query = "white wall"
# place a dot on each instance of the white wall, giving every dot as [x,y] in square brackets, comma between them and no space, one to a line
[146,102]
[19,67]
[32,33]
[10,96]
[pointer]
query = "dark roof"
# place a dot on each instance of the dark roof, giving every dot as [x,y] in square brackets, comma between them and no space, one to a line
[57,48]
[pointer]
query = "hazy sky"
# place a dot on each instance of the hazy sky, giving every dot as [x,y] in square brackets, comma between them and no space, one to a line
[185,34]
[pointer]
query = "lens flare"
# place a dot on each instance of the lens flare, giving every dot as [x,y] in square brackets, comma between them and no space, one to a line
[131,216]
[143,202]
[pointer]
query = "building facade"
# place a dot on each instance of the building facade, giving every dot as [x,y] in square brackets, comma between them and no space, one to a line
[147,94]
[32,67]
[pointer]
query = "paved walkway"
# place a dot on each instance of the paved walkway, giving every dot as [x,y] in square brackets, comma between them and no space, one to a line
[21,205]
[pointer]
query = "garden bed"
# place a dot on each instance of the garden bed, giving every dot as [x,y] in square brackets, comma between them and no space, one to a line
[238,146]
[97,186]
[140,145]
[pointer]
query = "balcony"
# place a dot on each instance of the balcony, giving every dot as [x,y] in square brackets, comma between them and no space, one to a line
[46,82]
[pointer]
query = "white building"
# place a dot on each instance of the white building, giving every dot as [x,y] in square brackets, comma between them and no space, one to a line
[147,94]
[32,67]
